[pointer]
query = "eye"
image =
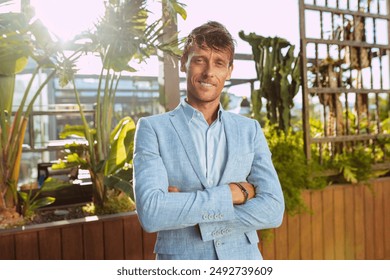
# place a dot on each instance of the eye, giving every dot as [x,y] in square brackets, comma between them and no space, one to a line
[220,63]
[199,60]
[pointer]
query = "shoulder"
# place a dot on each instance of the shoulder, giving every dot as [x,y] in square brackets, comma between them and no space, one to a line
[246,127]
[241,120]
[158,121]
[157,118]
[154,118]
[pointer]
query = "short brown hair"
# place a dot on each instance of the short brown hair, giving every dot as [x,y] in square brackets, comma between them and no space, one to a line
[211,35]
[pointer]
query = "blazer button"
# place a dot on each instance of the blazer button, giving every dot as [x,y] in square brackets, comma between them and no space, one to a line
[218,243]
[205,217]
[211,217]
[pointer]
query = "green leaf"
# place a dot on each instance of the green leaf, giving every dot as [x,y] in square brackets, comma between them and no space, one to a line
[41,202]
[121,180]
[179,9]
[12,64]
[121,140]
[72,130]
[349,174]
[24,196]
[52,184]
[75,158]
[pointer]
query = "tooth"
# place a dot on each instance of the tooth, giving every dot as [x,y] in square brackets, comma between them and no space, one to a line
[205,84]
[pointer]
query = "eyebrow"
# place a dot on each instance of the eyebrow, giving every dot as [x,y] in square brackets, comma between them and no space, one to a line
[219,58]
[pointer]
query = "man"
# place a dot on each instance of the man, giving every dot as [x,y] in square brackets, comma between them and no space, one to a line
[203,177]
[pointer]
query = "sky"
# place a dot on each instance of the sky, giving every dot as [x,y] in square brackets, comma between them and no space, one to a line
[263,17]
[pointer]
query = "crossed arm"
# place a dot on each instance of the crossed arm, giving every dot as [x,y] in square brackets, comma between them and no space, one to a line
[164,207]
[238,196]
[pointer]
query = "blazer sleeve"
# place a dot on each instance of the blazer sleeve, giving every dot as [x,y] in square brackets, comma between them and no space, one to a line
[263,211]
[157,208]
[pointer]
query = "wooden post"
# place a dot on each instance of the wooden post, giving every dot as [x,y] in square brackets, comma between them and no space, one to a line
[169,67]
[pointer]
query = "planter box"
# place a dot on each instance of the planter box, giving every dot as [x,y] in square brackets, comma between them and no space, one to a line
[347,222]
[118,236]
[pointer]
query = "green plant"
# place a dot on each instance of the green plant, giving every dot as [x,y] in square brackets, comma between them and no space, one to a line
[225,100]
[32,200]
[122,36]
[294,171]
[278,71]
[20,39]
[355,165]
[114,171]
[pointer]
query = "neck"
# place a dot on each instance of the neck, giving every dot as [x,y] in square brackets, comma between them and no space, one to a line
[208,109]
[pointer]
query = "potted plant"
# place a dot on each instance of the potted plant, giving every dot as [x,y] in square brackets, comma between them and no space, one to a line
[21,39]
[122,36]
[123,236]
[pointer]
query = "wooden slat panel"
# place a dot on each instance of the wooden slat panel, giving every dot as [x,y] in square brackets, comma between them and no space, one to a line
[149,239]
[317,225]
[7,247]
[294,243]
[359,222]
[50,244]
[267,239]
[72,242]
[361,229]
[328,223]
[306,229]
[260,245]
[369,223]
[349,223]
[114,240]
[378,241]
[27,246]
[133,238]
[386,211]
[339,223]
[281,247]
[93,241]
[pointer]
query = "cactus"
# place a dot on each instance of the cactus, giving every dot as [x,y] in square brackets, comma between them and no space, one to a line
[279,74]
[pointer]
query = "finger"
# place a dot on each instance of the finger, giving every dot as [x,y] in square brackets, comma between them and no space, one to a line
[173,189]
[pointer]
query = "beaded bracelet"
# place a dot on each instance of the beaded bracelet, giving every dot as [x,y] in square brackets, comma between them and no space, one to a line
[243,190]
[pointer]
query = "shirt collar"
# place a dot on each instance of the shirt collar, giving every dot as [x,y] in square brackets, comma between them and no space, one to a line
[191,112]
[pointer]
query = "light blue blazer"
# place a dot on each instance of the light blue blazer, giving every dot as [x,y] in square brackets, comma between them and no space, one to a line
[201,221]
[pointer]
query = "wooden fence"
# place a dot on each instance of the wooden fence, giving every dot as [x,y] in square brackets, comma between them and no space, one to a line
[347,222]
[112,237]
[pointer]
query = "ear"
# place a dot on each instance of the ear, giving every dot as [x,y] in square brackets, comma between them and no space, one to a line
[230,72]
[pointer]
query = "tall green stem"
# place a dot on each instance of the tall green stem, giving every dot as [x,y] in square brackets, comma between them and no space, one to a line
[88,135]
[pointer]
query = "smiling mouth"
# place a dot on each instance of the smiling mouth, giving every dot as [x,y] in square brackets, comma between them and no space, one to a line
[204,84]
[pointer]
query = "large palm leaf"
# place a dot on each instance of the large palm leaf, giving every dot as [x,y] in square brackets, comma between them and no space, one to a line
[20,39]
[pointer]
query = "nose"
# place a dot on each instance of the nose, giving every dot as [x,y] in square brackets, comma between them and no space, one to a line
[208,70]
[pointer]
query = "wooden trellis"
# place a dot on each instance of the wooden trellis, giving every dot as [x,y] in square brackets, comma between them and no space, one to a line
[345,70]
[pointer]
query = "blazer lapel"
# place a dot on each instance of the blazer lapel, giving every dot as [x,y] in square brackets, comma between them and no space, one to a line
[178,120]
[232,139]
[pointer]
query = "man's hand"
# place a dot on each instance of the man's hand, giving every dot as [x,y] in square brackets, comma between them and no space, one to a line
[238,196]
[173,189]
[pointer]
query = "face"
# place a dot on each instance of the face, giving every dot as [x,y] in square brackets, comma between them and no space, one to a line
[206,71]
